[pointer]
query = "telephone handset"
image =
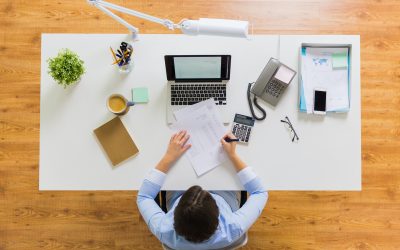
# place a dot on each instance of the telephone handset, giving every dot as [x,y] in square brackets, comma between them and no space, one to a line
[270,85]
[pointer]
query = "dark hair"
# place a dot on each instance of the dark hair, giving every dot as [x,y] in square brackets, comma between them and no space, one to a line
[196,215]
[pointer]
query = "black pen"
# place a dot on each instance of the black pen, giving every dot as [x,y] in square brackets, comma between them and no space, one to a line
[227,139]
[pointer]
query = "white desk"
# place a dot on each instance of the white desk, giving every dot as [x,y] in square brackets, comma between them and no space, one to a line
[327,157]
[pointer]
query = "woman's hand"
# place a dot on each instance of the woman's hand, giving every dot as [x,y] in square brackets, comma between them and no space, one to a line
[176,148]
[229,147]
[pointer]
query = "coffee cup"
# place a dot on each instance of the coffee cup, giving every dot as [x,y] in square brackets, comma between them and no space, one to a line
[118,104]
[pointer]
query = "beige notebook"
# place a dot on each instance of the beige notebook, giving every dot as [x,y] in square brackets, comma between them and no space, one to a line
[116,141]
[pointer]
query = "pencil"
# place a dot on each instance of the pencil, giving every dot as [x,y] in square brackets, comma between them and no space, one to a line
[117,61]
[112,51]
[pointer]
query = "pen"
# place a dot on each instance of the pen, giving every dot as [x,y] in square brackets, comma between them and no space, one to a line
[227,139]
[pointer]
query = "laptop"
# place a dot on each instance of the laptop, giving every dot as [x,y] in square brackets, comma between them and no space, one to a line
[196,78]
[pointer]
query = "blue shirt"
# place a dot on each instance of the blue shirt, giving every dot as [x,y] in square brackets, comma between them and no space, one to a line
[232,225]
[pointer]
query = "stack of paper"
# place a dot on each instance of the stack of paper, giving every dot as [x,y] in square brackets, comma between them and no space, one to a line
[203,124]
[325,68]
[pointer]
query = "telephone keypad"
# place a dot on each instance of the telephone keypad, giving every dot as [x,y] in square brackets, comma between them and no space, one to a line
[275,88]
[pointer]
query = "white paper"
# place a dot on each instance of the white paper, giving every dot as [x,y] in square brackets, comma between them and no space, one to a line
[185,112]
[202,123]
[317,72]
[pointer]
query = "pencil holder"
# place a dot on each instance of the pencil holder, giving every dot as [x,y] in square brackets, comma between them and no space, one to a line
[126,68]
[123,57]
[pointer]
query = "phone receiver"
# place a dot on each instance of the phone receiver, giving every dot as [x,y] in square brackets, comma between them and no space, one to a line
[263,112]
[270,85]
[266,75]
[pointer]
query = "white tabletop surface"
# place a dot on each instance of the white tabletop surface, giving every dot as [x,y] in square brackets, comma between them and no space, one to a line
[327,156]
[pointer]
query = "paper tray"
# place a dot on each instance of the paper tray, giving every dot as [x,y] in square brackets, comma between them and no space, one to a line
[302,104]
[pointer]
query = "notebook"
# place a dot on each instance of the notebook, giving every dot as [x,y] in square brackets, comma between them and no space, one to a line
[116,141]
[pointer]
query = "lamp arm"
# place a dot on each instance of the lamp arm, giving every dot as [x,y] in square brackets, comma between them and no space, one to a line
[99,4]
[203,26]
[133,29]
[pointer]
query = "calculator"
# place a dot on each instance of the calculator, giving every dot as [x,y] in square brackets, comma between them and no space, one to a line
[241,127]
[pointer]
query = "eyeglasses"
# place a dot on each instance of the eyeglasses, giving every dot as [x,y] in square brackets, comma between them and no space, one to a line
[289,125]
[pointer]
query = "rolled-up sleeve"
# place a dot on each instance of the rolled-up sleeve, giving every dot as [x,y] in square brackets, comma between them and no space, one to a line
[251,210]
[149,209]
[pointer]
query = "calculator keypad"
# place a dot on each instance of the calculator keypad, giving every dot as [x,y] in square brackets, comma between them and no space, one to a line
[241,131]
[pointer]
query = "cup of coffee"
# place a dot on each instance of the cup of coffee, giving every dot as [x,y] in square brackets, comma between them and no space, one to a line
[118,104]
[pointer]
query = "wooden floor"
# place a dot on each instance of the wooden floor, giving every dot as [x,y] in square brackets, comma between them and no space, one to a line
[292,220]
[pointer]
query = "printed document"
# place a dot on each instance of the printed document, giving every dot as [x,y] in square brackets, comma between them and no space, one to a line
[205,128]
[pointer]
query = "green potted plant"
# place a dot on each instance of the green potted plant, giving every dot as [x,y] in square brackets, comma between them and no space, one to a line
[66,68]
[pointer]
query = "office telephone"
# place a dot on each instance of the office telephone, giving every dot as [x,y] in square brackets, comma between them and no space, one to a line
[270,85]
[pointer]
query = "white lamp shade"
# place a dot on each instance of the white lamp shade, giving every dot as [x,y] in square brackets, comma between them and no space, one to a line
[215,27]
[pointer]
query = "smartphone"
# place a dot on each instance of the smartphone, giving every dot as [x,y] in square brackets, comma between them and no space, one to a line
[319,101]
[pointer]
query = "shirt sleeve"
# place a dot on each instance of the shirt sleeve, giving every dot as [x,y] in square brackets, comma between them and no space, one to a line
[149,209]
[251,210]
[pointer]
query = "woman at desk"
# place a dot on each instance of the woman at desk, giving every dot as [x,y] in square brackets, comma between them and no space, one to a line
[199,219]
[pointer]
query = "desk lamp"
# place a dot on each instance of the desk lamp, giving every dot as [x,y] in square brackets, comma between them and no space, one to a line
[203,26]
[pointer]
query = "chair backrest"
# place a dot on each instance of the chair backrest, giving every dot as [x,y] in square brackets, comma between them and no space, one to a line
[242,241]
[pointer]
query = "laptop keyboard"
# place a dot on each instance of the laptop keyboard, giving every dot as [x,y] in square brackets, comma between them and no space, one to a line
[188,94]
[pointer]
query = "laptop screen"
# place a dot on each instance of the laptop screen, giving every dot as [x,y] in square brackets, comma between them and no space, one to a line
[197,68]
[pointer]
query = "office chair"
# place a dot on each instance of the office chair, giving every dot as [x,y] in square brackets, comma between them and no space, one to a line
[242,241]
